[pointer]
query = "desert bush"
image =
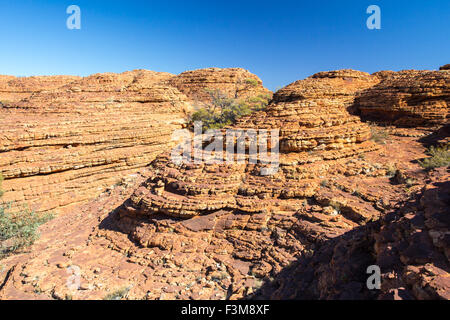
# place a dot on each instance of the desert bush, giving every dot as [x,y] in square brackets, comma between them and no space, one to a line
[223,111]
[379,135]
[440,157]
[18,229]
[324,183]
[118,294]
[1,180]
[259,102]
[251,82]
[391,169]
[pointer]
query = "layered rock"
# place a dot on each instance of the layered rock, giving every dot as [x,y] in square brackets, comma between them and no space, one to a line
[227,231]
[314,128]
[65,139]
[324,195]
[413,246]
[312,115]
[254,225]
[14,89]
[227,254]
[66,145]
[410,245]
[407,98]
[233,82]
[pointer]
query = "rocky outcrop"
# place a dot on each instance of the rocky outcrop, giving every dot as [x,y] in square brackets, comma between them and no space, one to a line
[413,246]
[66,145]
[410,245]
[70,138]
[225,254]
[407,98]
[254,225]
[233,82]
[14,89]
[315,128]
[312,115]
[338,203]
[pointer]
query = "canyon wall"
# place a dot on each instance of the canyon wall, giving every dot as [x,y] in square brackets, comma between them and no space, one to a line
[240,228]
[408,98]
[340,201]
[66,139]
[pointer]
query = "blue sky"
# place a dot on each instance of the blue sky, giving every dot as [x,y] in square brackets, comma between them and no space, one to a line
[280,41]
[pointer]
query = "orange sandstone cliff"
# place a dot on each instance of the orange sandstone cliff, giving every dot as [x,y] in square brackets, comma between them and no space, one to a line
[64,140]
[340,201]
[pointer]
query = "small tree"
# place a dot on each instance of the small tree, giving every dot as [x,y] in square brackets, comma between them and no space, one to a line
[439,157]
[18,229]
[244,85]
[223,111]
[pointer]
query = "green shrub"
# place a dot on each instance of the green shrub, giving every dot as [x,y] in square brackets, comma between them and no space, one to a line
[379,135]
[259,102]
[1,180]
[223,111]
[118,294]
[252,82]
[18,229]
[440,157]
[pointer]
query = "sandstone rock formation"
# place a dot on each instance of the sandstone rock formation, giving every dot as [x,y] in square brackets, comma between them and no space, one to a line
[409,244]
[66,139]
[413,248]
[407,98]
[315,128]
[14,89]
[338,203]
[233,82]
[225,254]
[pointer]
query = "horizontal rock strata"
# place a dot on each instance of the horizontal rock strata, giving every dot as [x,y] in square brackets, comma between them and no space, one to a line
[407,98]
[233,82]
[338,204]
[315,128]
[14,89]
[66,139]
[410,245]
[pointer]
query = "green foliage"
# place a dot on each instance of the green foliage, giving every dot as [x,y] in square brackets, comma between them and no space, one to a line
[18,229]
[379,135]
[324,183]
[118,294]
[252,82]
[259,102]
[391,169]
[1,180]
[5,104]
[224,111]
[440,157]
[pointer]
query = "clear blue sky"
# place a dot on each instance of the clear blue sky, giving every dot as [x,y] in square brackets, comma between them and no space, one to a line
[280,41]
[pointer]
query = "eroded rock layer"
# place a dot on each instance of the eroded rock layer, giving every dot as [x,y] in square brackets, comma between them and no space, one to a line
[338,204]
[14,89]
[315,130]
[233,82]
[408,98]
[410,245]
[67,143]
